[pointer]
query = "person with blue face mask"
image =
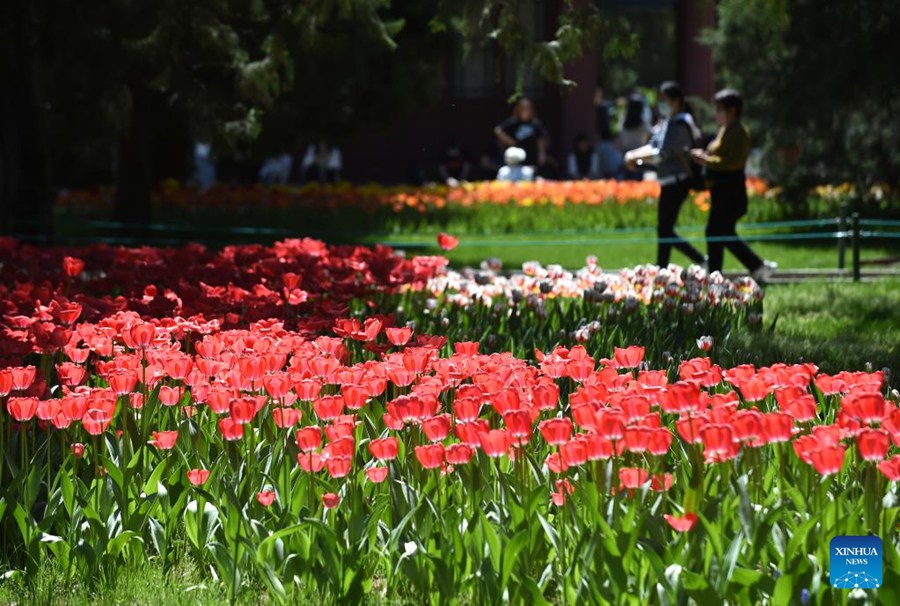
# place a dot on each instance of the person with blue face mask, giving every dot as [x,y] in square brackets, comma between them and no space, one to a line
[668,153]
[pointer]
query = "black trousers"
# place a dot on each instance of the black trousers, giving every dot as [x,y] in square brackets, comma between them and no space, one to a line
[671,198]
[728,203]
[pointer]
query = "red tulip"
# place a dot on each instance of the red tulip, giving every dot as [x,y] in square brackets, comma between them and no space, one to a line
[437,428]
[873,444]
[680,397]
[266,497]
[328,407]
[430,456]
[598,447]
[681,523]
[310,462]
[179,367]
[72,266]
[458,454]
[574,453]
[866,407]
[6,382]
[555,463]
[630,357]
[466,348]
[754,389]
[828,460]
[469,433]
[467,409]
[343,447]
[384,449]
[556,431]
[377,475]
[330,500]
[309,438]
[519,424]
[243,410]
[563,489]
[398,336]
[446,241]
[230,429]
[140,335]
[169,396]
[661,482]
[198,476]
[123,381]
[77,450]
[164,440]
[633,477]
[69,374]
[285,417]
[338,467]
[354,396]
[307,390]
[610,424]
[717,438]
[580,369]
[22,377]
[891,468]
[660,441]
[495,443]
[95,422]
[392,422]
[22,409]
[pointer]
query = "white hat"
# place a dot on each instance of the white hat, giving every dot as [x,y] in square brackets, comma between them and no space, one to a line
[514,155]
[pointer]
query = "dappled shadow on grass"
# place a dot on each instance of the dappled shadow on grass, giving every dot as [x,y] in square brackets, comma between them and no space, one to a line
[838,326]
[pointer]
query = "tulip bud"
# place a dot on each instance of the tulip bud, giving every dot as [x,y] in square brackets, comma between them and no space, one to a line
[77,450]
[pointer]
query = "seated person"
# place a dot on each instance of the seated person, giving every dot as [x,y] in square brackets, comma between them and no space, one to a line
[453,165]
[583,161]
[515,171]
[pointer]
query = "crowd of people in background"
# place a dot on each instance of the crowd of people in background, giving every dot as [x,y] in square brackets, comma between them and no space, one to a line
[633,140]
[662,142]
[621,126]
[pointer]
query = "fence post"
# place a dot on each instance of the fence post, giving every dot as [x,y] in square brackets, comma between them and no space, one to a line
[856,237]
[842,239]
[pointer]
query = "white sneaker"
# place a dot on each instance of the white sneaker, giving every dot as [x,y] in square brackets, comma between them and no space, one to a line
[762,273]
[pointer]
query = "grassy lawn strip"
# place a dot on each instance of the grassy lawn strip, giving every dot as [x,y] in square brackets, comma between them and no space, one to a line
[837,326]
[570,250]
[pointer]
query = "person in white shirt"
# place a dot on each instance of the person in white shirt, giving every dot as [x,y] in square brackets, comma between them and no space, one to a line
[277,170]
[514,171]
[322,163]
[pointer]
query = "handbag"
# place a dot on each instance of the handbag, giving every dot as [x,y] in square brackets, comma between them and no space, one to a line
[696,173]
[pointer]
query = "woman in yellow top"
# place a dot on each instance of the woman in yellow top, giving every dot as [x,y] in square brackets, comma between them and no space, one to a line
[725,158]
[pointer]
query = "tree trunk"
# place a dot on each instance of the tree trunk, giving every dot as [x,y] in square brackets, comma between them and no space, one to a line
[25,196]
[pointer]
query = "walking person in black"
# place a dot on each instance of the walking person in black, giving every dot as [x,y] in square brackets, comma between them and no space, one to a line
[725,159]
[669,153]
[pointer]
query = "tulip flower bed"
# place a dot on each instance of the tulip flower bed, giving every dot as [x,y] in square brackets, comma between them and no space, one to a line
[343,422]
[307,286]
[591,307]
[303,283]
[473,208]
[318,465]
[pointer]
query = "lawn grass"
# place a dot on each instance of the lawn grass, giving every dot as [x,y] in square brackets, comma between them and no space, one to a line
[838,326]
[185,585]
[570,250]
[138,586]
